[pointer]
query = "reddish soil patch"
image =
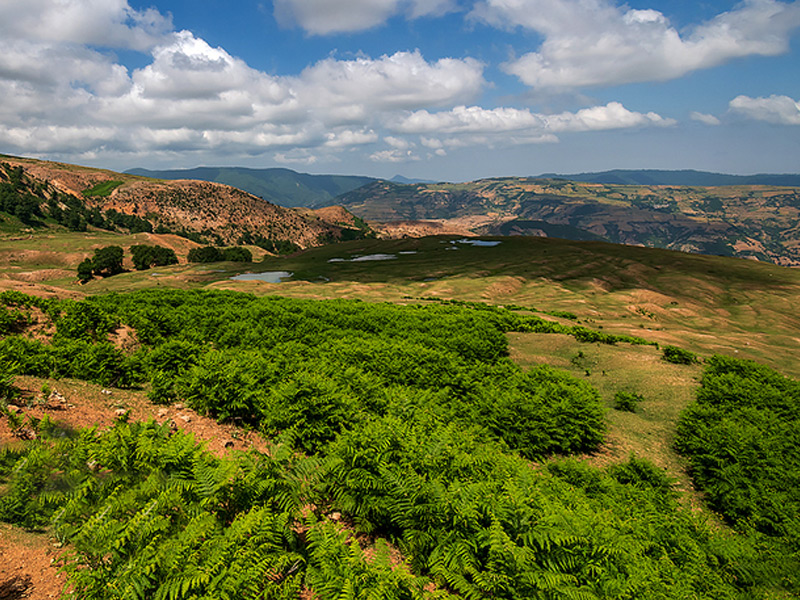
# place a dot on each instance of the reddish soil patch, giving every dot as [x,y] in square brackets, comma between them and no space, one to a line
[28,561]
[28,565]
[124,338]
[78,404]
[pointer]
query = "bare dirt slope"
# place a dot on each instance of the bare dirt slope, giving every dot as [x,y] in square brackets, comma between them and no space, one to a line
[218,212]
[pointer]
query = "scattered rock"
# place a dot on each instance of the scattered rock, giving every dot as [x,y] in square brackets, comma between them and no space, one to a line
[179,406]
[162,413]
[18,586]
[25,433]
[120,412]
[185,418]
[106,392]
[335,516]
[56,401]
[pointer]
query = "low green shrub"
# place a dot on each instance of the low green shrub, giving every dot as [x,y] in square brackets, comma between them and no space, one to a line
[627,401]
[740,438]
[678,356]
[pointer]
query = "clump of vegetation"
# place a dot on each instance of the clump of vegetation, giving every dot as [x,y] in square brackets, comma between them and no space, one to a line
[18,197]
[740,437]
[102,189]
[564,314]
[679,356]
[204,254]
[107,261]
[145,256]
[85,270]
[627,401]
[208,254]
[8,391]
[410,422]
[133,223]
[11,320]
[237,254]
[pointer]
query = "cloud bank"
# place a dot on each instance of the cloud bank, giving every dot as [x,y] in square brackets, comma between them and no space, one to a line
[65,93]
[323,17]
[591,43]
[780,110]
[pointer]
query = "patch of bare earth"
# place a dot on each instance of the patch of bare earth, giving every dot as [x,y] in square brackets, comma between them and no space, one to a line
[78,404]
[36,289]
[44,275]
[124,337]
[28,560]
[28,565]
[411,229]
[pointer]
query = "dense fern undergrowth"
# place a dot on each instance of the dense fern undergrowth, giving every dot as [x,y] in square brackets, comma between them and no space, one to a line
[742,438]
[400,467]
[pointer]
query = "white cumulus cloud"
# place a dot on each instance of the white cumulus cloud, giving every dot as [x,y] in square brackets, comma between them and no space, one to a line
[403,80]
[598,43]
[108,23]
[477,120]
[63,96]
[782,110]
[704,118]
[323,17]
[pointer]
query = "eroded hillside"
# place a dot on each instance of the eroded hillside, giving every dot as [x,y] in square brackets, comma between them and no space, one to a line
[202,210]
[753,221]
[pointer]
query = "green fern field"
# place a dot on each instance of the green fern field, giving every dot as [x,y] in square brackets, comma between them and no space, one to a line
[421,449]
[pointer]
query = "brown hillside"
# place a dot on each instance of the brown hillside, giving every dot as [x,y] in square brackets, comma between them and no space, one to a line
[747,221]
[220,213]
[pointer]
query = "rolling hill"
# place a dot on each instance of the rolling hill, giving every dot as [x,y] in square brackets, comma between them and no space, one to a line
[283,187]
[748,221]
[396,399]
[682,177]
[203,211]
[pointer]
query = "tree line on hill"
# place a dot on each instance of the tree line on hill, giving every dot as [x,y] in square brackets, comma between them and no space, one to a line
[108,260]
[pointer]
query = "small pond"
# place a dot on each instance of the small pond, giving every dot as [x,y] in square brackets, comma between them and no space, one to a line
[365,258]
[480,243]
[267,276]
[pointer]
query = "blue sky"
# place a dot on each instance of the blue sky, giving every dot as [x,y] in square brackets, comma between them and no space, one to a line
[437,89]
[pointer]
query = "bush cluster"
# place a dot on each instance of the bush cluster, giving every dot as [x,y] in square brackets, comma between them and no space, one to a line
[627,401]
[207,254]
[145,256]
[741,439]
[678,356]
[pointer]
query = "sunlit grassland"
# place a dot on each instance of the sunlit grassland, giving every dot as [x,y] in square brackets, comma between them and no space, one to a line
[706,304]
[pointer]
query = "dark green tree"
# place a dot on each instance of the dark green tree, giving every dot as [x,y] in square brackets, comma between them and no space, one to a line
[205,254]
[145,257]
[85,270]
[107,261]
[237,254]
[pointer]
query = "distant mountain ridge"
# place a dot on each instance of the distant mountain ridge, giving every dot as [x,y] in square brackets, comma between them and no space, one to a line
[687,177]
[280,186]
[292,189]
[748,221]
